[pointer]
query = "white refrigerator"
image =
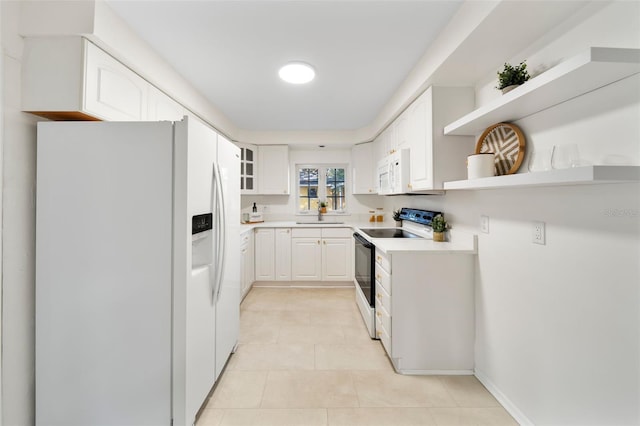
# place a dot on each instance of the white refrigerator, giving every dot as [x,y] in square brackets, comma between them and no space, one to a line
[137,270]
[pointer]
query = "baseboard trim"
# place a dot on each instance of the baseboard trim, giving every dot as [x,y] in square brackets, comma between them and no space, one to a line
[502,399]
[304,284]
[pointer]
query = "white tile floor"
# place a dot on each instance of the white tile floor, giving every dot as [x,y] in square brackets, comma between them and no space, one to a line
[305,359]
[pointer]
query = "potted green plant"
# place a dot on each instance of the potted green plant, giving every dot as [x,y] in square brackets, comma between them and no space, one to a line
[323,207]
[512,76]
[439,226]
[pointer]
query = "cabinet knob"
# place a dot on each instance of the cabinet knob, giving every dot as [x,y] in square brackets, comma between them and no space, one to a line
[379,296]
[379,258]
[379,333]
[379,314]
[318,242]
[378,276]
[324,242]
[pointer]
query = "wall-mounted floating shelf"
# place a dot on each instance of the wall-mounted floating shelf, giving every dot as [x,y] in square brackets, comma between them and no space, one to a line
[575,176]
[590,70]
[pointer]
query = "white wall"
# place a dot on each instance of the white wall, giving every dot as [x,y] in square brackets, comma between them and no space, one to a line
[558,326]
[284,207]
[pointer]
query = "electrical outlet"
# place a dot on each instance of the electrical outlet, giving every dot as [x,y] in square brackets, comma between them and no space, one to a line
[484,224]
[538,233]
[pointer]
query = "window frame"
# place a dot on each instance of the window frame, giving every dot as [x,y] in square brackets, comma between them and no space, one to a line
[322,185]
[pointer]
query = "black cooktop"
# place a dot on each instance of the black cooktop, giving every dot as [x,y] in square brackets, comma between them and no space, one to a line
[389,233]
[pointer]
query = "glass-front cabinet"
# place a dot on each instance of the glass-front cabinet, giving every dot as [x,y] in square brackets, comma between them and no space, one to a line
[248,168]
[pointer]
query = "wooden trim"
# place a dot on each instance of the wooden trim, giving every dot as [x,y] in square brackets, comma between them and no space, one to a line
[64,115]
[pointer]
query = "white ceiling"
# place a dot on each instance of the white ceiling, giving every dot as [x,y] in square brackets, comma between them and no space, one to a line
[231,52]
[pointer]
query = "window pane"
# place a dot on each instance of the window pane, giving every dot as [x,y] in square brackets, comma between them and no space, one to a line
[249,169]
[308,189]
[335,188]
[249,155]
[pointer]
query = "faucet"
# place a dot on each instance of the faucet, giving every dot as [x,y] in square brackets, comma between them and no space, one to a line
[319,214]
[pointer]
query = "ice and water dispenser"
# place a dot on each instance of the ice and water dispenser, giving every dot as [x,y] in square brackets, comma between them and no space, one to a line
[201,241]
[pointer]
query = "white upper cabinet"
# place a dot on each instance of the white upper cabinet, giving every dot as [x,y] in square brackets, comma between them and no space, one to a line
[70,78]
[248,168]
[363,169]
[273,170]
[436,158]
[163,108]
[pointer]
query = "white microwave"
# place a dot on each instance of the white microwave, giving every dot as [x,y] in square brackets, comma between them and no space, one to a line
[393,173]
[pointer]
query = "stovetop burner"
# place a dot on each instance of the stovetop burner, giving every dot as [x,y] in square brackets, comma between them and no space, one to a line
[389,233]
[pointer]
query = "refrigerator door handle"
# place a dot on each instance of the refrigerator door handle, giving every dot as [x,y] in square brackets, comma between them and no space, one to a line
[222,232]
[219,230]
[213,267]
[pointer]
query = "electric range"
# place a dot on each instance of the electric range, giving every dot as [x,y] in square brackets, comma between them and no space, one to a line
[416,224]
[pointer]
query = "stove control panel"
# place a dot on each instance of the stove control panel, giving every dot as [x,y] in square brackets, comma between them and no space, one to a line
[423,217]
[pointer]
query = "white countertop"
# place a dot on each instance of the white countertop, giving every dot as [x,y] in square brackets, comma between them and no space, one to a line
[459,242]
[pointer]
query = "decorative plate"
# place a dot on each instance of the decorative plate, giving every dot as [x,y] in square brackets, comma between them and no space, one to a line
[506,141]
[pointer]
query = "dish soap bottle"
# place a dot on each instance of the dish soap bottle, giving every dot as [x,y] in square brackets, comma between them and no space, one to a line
[255,209]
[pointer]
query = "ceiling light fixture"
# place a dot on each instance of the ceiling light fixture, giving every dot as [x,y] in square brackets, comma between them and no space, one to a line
[297,73]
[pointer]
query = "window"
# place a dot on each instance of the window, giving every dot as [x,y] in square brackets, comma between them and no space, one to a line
[321,183]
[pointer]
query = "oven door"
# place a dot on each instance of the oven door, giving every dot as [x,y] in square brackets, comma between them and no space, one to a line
[364,267]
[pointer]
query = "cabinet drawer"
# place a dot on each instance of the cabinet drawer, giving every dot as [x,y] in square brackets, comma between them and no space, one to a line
[384,337]
[337,233]
[244,238]
[383,260]
[306,233]
[383,299]
[383,316]
[383,278]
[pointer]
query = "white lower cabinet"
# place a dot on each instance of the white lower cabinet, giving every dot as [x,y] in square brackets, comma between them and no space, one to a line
[273,254]
[247,273]
[306,254]
[283,254]
[322,254]
[425,311]
[265,266]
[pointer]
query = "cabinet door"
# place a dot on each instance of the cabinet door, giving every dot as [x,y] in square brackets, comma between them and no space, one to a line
[363,169]
[336,259]
[420,130]
[401,132]
[273,172]
[162,107]
[112,91]
[265,256]
[306,259]
[283,254]
[248,168]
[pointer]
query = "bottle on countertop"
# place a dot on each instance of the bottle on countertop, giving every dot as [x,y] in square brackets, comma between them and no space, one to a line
[255,209]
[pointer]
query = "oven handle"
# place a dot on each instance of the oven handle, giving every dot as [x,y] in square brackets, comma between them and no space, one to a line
[362,240]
